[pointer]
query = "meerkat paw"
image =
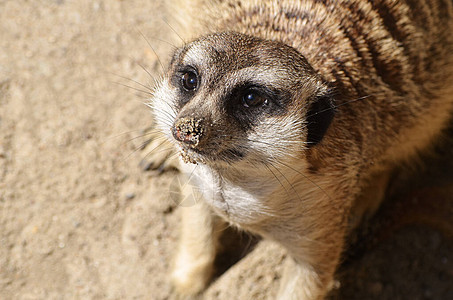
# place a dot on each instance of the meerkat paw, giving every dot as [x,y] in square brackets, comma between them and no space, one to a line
[190,277]
[160,154]
[301,283]
[198,246]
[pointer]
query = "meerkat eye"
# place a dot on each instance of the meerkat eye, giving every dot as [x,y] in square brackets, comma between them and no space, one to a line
[189,81]
[253,99]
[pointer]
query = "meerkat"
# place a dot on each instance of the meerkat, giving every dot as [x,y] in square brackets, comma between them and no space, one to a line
[290,117]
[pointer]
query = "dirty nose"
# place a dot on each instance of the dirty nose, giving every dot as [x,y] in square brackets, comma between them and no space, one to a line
[188,131]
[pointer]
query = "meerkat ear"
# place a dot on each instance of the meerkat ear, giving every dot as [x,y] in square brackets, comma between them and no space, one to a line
[319,117]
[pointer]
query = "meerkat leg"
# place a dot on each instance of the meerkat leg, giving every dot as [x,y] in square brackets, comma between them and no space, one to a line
[194,261]
[304,282]
[298,282]
[315,255]
[369,201]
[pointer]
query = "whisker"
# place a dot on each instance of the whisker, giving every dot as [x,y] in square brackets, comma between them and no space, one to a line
[148,72]
[305,176]
[260,142]
[163,41]
[339,105]
[144,135]
[133,88]
[276,178]
[167,121]
[228,225]
[286,179]
[172,108]
[161,168]
[140,147]
[171,151]
[172,29]
[134,81]
[119,135]
[154,51]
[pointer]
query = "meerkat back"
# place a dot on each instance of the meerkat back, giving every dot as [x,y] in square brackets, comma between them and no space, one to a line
[290,117]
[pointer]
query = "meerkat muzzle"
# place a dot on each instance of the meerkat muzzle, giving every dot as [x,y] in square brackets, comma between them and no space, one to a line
[188,131]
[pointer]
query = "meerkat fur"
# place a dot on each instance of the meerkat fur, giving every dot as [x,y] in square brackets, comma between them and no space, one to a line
[290,117]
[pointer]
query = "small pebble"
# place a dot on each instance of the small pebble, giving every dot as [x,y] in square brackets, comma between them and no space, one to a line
[130,196]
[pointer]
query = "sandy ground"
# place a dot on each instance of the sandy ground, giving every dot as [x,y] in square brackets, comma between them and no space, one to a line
[79,216]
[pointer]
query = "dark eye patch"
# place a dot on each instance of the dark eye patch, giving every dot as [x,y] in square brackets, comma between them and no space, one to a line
[319,117]
[252,96]
[247,103]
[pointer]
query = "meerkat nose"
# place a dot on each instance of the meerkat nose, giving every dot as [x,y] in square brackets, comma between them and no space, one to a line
[188,131]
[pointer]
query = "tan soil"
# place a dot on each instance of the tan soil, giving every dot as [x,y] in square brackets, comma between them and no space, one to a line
[79,219]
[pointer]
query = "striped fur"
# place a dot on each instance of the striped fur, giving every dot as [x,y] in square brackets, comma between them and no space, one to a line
[396,54]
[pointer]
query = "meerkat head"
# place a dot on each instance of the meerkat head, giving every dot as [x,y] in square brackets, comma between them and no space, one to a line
[229,97]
